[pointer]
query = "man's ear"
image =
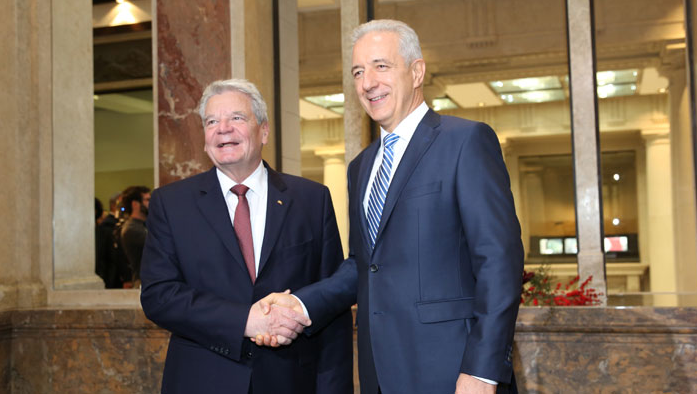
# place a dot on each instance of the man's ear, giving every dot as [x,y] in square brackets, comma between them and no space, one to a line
[418,70]
[265,133]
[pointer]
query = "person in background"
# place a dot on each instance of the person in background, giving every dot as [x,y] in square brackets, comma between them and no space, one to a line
[105,261]
[135,201]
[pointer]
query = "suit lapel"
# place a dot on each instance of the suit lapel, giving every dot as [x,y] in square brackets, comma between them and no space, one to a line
[425,134]
[366,166]
[212,205]
[277,205]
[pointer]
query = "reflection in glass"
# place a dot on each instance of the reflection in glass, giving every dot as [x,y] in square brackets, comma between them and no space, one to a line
[123,141]
[551,246]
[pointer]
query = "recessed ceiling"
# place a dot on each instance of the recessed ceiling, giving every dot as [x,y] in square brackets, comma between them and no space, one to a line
[311,111]
[315,5]
[136,102]
[472,95]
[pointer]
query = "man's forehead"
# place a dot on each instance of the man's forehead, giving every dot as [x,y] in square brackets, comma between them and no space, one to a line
[228,102]
[377,45]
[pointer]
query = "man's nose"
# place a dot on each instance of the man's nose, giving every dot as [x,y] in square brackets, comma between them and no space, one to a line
[369,81]
[226,126]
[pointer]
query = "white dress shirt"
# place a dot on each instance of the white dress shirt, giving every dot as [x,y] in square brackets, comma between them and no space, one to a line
[404,130]
[257,195]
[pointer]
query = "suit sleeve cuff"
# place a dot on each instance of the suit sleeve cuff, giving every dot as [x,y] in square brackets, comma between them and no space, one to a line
[486,380]
[307,315]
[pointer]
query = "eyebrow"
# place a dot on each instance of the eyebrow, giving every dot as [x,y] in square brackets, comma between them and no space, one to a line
[380,60]
[240,113]
[374,61]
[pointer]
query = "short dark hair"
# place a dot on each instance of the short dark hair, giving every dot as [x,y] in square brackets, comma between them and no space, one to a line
[132,193]
[98,209]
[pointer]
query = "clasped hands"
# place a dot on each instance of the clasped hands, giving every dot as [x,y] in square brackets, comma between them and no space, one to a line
[276,320]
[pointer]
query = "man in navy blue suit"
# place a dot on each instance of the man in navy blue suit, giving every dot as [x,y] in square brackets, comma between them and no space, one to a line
[221,240]
[435,260]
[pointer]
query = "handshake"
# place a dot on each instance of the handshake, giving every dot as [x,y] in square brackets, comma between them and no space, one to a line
[276,320]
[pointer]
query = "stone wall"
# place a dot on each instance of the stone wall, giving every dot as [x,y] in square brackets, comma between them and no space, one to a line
[580,350]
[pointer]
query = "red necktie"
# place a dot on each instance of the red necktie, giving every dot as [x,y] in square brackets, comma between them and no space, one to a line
[243,229]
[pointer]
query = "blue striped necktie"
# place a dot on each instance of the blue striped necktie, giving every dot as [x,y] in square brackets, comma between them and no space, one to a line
[381,183]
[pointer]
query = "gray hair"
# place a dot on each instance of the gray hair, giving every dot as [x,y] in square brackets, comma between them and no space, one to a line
[234,85]
[409,46]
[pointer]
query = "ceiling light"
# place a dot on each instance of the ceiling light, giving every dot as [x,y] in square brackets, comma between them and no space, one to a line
[443,103]
[525,84]
[605,77]
[335,98]
[616,90]
[616,177]
[616,222]
[333,102]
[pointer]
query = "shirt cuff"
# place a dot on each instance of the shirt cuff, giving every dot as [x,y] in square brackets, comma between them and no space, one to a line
[307,315]
[476,377]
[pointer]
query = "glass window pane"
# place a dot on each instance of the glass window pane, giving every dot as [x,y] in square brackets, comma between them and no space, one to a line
[647,170]
[123,144]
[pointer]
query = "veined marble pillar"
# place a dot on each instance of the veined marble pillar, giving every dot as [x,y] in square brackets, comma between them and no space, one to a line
[659,204]
[335,180]
[193,49]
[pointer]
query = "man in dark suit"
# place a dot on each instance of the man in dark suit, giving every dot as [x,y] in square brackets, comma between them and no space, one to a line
[435,259]
[219,241]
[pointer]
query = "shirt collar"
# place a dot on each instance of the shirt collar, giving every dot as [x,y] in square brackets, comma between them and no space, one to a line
[406,128]
[253,182]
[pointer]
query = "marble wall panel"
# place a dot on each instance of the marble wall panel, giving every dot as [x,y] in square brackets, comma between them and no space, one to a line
[606,350]
[86,351]
[193,49]
[5,350]
[560,350]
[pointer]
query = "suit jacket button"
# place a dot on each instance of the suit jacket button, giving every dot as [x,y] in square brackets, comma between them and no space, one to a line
[373,268]
[249,354]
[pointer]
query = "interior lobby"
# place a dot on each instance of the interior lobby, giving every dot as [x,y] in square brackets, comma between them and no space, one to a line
[594,103]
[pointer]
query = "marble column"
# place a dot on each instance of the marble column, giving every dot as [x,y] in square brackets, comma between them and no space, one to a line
[356,131]
[335,180]
[193,48]
[73,146]
[201,41]
[659,204]
[25,154]
[258,59]
[585,134]
[290,86]
[683,175]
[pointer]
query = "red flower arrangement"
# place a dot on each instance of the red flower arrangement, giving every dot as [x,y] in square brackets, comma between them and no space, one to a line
[537,291]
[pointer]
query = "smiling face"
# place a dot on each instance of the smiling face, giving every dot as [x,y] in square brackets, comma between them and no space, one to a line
[387,87]
[233,137]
